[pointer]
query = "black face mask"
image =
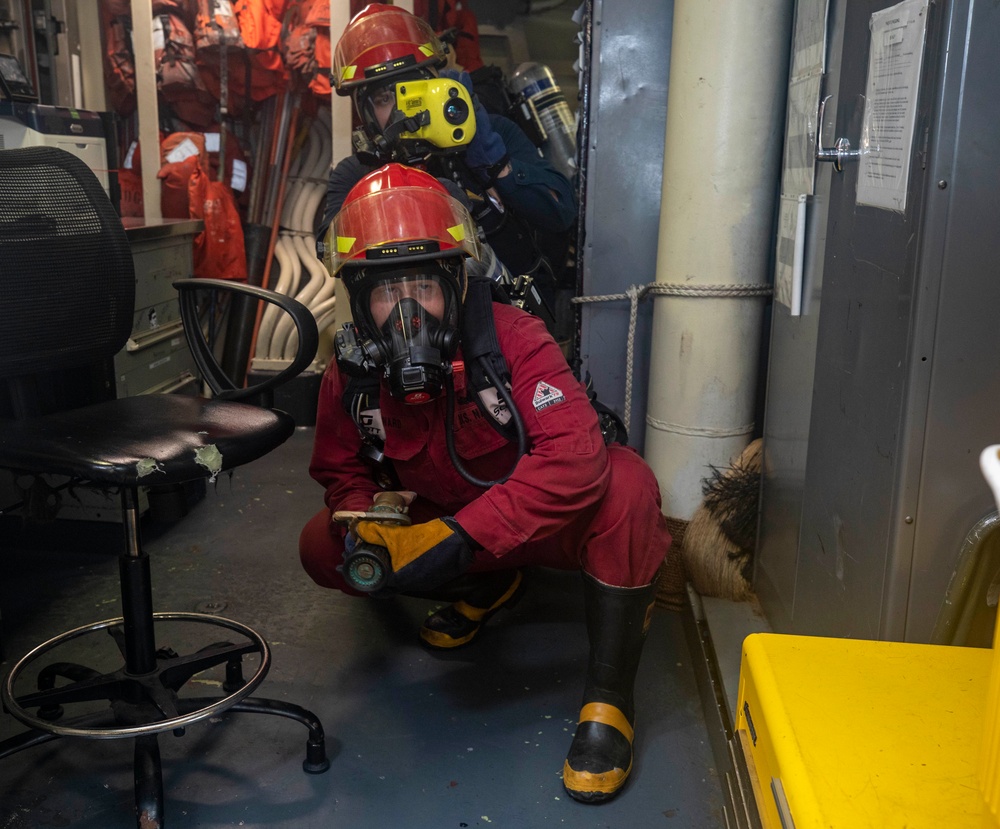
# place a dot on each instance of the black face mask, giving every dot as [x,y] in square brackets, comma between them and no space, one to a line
[417,350]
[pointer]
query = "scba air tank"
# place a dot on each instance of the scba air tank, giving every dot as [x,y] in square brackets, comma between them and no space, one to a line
[537,92]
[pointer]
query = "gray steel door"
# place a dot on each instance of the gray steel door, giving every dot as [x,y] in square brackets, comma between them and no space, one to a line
[907,354]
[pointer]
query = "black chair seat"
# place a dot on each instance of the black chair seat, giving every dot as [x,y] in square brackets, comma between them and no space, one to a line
[151,439]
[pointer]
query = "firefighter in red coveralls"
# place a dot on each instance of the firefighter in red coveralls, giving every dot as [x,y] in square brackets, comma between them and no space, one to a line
[555,496]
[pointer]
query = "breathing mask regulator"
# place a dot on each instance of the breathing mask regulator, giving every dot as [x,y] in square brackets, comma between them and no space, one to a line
[399,242]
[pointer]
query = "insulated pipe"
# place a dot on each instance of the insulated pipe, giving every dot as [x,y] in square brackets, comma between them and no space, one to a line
[323,313]
[323,309]
[291,199]
[320,285]
[326,120]
[329,317]
[317,277]
[295,249]
[295,168]
[285,279]
[312,203]
[296,265]
[721,174]
[296,220]
[313,149]
[312,171]
[325,287]
[325,282]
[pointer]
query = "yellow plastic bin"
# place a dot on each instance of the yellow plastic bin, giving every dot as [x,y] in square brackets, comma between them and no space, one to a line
[989,773]
[851,734]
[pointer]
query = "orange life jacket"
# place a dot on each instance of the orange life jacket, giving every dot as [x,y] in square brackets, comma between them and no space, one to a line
[320,84]
[177,76]
[184,9]
[215,24]
[219,250]
[119,64]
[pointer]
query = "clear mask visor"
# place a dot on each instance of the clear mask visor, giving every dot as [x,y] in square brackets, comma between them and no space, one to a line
[425,292]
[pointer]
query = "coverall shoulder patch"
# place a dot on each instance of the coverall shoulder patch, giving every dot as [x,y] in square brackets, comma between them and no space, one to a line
[546,395]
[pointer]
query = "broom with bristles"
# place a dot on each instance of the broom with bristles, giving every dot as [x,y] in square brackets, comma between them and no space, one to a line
[721,538]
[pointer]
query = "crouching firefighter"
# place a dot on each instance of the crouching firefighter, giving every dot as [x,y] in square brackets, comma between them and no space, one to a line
[453,440]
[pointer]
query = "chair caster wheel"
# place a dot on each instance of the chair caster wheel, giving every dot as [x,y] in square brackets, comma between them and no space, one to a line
[50,713]
[315,768]
[316,761]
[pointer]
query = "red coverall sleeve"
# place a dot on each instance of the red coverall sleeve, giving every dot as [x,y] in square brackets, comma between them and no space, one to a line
[335,463]
[566,468]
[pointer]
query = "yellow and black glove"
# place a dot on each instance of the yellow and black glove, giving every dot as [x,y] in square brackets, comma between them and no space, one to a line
[423,555]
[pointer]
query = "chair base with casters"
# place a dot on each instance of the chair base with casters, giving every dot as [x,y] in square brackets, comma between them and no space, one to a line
[67,289]
[143,695]
[146,704]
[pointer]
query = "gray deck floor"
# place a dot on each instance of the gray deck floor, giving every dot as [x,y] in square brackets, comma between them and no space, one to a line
[474,738]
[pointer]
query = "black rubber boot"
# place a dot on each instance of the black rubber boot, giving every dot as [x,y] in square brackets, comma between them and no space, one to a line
[460,623]
[600,758]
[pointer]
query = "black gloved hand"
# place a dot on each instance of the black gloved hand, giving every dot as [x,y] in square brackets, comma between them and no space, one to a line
[487,151]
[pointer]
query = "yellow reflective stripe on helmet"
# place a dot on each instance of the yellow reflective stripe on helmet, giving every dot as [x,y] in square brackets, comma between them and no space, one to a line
[345,243]
[348,73]
[457,232]
[428,50]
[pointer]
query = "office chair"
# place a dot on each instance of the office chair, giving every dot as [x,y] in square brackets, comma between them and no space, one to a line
[66,305]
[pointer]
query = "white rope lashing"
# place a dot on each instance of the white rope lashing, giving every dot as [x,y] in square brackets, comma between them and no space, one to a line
[635,293]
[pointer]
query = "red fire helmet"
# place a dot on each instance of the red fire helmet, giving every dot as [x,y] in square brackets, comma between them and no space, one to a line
[383,41]
[397,215]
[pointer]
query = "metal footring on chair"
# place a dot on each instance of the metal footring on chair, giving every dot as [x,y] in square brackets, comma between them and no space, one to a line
[149,694]
[156,689]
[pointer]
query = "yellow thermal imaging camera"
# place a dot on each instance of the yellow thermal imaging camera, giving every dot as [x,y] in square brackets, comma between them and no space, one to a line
[442,109]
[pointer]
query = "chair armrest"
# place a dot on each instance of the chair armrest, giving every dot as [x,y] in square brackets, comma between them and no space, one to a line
[220,384]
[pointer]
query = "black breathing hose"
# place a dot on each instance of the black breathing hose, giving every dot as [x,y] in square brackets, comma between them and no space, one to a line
[449,428]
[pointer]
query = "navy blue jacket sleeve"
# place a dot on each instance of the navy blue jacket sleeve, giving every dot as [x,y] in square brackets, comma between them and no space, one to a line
[535,189]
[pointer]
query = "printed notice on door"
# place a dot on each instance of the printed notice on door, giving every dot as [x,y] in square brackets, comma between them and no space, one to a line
[895,58]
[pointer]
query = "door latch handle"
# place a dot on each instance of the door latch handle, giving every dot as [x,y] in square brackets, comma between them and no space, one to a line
[840,151]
